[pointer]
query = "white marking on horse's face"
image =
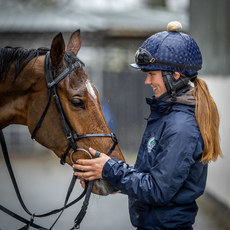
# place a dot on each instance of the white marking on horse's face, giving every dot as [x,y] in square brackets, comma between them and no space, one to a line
[90,89]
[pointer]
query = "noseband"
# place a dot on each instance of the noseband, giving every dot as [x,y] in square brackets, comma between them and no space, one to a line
[70,134]
[71,137]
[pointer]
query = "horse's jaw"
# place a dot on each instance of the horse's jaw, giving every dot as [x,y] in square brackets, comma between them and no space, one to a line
[103,188]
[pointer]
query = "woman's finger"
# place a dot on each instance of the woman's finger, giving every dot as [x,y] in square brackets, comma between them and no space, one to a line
[82,167]
[95,153]
[82,182]
[85,175]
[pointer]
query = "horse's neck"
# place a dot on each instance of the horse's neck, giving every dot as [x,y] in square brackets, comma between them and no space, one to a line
[15,95]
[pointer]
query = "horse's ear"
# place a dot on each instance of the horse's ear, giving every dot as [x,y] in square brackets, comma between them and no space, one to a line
[57,50]
[74,42]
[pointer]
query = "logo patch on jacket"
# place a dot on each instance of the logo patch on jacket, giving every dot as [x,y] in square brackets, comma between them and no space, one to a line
[151,144]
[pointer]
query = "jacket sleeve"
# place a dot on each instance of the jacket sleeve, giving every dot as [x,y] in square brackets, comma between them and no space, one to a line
[170,169]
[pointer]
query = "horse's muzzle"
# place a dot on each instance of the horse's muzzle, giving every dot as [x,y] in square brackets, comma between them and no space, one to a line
[103,188]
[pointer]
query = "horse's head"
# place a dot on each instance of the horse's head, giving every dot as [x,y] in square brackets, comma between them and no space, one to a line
[80,103]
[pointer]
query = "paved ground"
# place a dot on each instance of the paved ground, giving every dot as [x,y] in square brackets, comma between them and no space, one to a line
[43,183]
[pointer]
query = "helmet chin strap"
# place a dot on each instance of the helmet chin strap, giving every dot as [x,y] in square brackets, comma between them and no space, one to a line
[173,85]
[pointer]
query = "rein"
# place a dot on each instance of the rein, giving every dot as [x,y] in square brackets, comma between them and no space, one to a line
[72,137]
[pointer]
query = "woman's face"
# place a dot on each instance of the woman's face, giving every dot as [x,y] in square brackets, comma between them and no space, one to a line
[155,80]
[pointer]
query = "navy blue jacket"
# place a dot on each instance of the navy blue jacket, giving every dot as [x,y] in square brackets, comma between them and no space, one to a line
[168,176]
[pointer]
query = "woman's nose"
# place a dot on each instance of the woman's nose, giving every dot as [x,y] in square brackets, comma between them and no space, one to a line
[148,80]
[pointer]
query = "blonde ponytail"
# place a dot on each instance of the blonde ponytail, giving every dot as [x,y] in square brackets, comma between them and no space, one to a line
[207,118]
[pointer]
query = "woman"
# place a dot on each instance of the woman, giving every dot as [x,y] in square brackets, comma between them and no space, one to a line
[180,139]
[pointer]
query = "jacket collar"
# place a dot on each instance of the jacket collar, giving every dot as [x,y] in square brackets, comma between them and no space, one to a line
[163,105]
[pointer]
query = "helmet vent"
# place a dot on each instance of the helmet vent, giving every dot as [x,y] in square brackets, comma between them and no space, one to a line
[174,26]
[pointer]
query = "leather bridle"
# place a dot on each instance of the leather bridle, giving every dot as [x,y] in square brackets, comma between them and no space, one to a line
[71,137]
[70,134]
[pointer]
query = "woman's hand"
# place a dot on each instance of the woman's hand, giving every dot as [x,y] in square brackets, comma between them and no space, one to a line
[91,169]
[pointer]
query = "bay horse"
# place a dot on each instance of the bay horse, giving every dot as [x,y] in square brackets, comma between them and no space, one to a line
[24,95]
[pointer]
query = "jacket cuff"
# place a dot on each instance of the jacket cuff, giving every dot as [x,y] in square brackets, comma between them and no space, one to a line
[107,167]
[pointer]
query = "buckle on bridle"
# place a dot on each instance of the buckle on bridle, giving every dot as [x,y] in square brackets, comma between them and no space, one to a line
[75,136]
[32,218]
[114,138]
[69,137]
[76,226]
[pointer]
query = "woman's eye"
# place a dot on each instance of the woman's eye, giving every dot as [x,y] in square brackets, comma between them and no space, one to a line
[78,103]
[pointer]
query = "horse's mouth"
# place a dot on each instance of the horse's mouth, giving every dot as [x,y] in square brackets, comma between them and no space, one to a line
[103,188]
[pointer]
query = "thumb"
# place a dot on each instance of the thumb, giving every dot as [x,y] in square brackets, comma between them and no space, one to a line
[94,152]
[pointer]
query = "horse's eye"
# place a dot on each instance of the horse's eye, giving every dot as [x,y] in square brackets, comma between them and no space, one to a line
[78,103]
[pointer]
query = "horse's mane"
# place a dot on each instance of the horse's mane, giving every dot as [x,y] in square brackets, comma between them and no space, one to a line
[21,57]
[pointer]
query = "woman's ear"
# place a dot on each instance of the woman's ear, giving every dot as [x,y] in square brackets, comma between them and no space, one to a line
[176,75]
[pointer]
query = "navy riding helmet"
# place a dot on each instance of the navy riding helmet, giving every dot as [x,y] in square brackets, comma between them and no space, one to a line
[169,51]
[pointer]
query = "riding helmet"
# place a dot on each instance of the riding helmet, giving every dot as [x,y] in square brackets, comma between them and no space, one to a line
[169,50]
